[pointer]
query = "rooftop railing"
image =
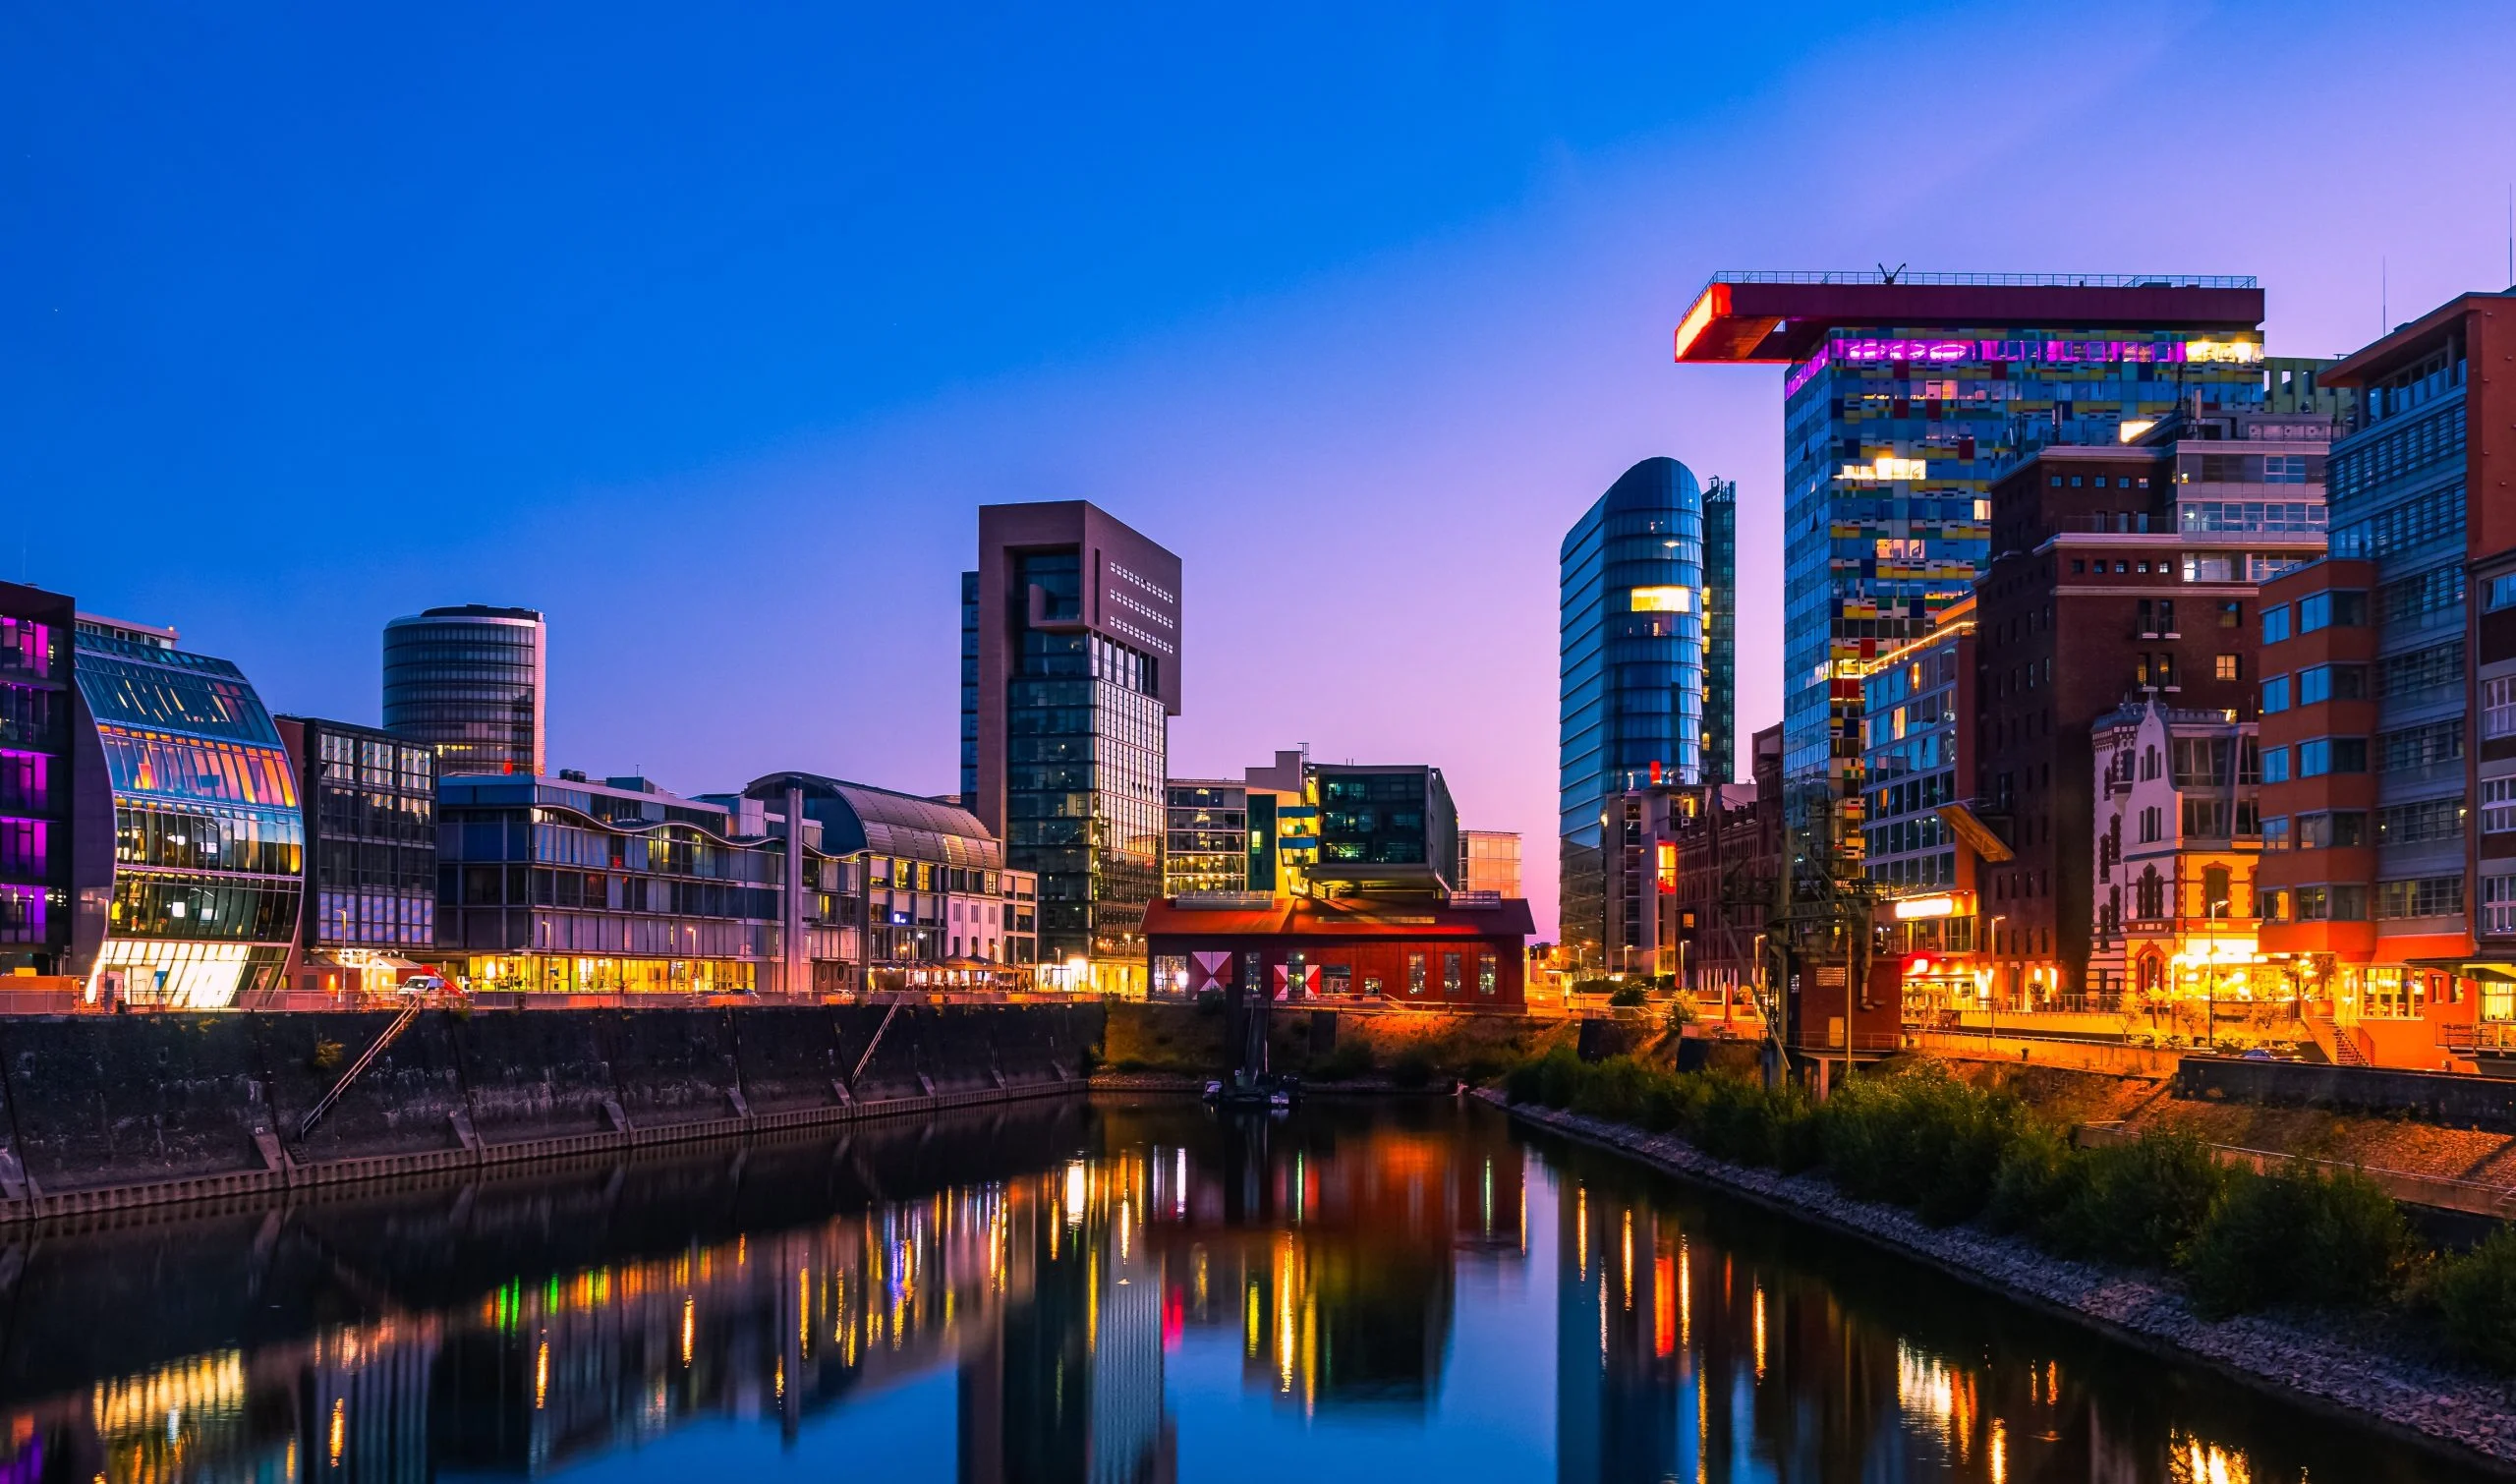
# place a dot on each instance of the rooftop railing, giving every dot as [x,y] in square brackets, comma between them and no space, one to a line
[1998,280]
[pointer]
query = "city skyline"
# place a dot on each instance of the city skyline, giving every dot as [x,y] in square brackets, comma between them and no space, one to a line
[343,371]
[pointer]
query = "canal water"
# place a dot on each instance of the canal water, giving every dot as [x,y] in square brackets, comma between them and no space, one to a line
[1117,1290]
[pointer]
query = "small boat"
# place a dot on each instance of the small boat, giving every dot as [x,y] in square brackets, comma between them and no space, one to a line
[1272,1091]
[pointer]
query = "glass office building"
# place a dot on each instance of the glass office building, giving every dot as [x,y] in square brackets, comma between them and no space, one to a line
[1720,630]
[1205,836]
[200,901]
[36,633]
[370,800]
[467,681]
[1071,639]
[1905,395]
[1086,740]
[1637,654]
[563,885]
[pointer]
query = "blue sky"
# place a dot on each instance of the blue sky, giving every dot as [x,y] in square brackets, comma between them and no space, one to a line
[705,333]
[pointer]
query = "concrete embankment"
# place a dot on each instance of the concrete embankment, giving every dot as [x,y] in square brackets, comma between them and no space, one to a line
[104,1113]
[2321,1366]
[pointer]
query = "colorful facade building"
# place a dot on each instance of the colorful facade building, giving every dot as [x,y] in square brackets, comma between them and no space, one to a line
[2122,572]
[189,847]
[2389,740]
[38,634]
[1907,394]
[2178,841]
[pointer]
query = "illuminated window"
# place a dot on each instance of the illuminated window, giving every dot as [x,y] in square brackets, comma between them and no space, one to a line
[1663,599]
[2224,667]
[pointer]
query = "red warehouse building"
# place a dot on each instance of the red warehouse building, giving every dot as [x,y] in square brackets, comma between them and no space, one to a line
[1453,955]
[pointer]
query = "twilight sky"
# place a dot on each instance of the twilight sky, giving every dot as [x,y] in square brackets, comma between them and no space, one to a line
[707,330]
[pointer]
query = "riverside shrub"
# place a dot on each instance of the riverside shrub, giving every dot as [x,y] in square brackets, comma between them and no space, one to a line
[2296,1235]
[2139,1203]
[2475,1295]
[1923,1139]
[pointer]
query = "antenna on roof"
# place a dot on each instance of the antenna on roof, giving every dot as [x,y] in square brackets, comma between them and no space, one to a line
[2384,301]
[1887,274]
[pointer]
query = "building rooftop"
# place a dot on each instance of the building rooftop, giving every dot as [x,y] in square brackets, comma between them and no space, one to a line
[1779,317]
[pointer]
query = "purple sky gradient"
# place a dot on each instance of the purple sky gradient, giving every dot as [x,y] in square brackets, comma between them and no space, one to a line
[1367,465]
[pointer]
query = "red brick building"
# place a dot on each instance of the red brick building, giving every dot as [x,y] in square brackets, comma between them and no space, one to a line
[2118,574]
[1427,953]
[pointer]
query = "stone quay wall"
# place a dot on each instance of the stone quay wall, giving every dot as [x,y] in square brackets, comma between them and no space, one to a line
[102,1112]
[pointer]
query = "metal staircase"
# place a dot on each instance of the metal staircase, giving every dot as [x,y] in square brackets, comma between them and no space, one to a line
[365,1059]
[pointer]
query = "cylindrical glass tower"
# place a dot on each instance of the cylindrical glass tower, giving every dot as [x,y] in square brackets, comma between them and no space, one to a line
[468,682]
[1634,657]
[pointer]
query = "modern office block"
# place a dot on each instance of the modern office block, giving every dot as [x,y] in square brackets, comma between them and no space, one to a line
[1383,829]
[1205,836]
[1489,860]
[37,638]
[1720,630]
[369,802]
[1634,660]
[564,885]
[915,887]
[190,843]
[1907,394]
[1076,638]
[468,682]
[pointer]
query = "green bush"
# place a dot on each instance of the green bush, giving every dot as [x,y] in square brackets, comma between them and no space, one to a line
[1921,1139]
[2139,1203]
[2297,1236]
[1629,995]
[2038,1178]
[2474,1297]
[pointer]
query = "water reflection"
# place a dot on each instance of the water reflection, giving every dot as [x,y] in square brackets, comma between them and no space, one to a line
[1089,1286]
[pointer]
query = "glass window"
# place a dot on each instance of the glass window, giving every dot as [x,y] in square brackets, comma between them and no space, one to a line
[2276,624]
[1414,973]
[1450,974]
[2335,609]
[2275,695]
[2332,682]
[2319,755]
[2497,805]
[2276,764]
[2498,706]
[2501,593]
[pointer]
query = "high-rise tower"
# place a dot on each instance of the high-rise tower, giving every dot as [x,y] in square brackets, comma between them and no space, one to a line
[1905,395]
[1071,645]
[467,681]
[1634,648]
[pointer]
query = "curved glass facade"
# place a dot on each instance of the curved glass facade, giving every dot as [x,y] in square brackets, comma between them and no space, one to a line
[1636,653]
[208,839]
[468,682]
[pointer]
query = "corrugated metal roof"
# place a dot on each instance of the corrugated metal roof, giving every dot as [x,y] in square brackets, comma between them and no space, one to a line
[859,816]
